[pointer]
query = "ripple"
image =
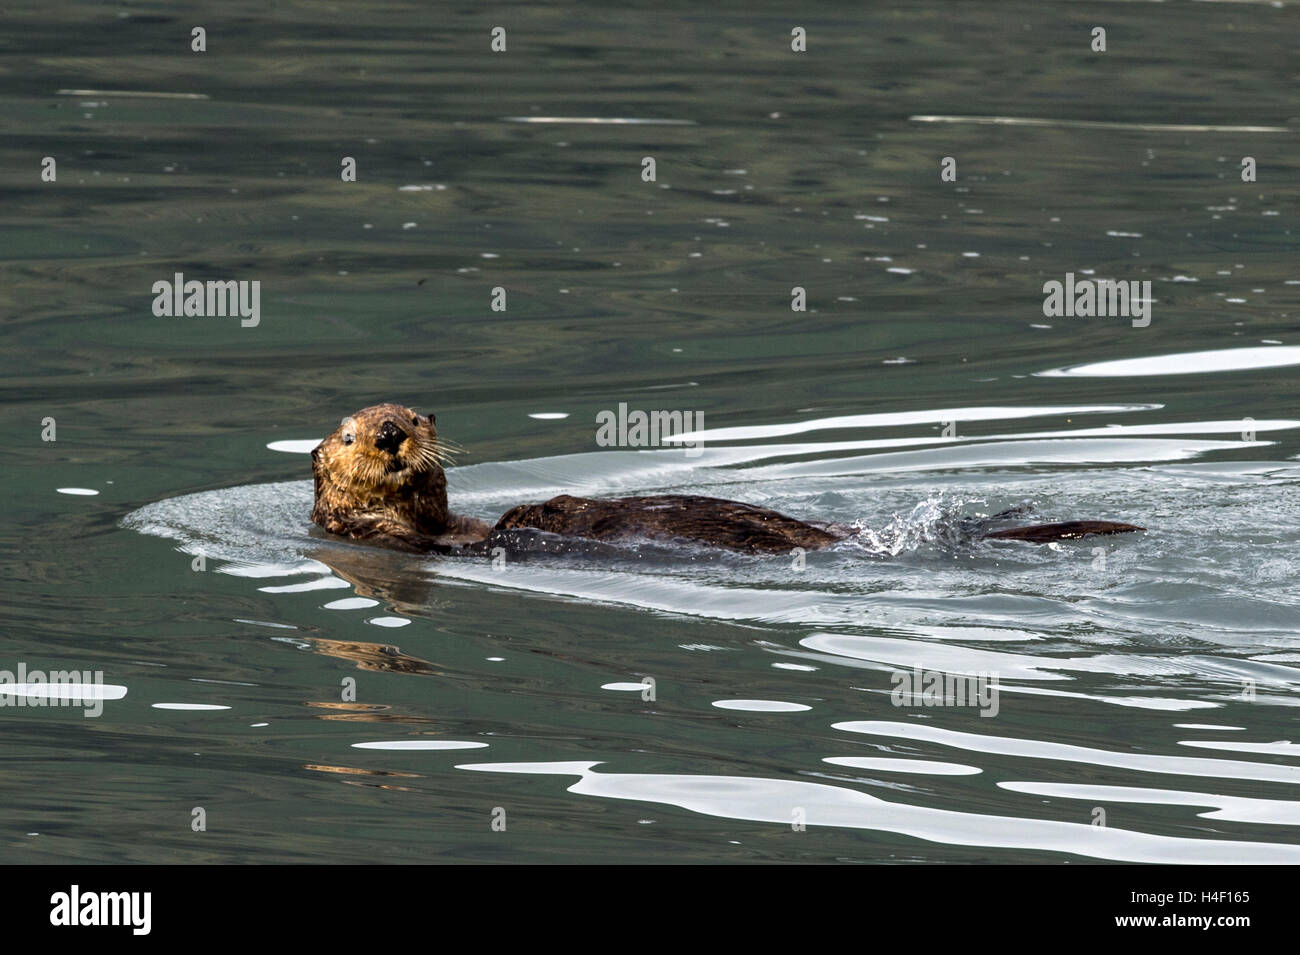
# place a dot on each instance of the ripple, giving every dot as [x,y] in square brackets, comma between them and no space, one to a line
[320,583]
[1280,747]
[599,120]
[133,94]
[1276,812]
[351,603]
[896,419]
[1183,363]
[761,706]
[295,445]
[270,569]
[63,691]
[419,744]
[891,653]
[1094,124]
[1207,726]
[1065,752]
[928,767]
[189,706]
[781,801]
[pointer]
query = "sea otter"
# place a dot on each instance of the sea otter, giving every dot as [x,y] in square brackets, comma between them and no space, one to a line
[379,479]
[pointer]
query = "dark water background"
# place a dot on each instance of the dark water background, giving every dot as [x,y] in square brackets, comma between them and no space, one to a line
[780,169]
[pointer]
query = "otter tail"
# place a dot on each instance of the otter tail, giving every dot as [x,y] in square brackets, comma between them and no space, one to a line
[1065,530]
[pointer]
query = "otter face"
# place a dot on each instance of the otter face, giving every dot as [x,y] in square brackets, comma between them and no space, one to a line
[382,447]
[379,476]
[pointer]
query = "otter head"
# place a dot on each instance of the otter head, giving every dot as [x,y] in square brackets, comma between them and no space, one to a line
[380,473]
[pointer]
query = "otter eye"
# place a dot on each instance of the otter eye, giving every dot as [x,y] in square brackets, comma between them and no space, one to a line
[349,438]
[416,421]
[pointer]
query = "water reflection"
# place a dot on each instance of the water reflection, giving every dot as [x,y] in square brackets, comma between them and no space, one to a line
[787,801]
[378,657]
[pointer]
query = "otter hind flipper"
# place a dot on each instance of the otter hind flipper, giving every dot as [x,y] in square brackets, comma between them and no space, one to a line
[1065,530]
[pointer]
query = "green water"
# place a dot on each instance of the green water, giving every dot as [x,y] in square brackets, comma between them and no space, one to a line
[780,169]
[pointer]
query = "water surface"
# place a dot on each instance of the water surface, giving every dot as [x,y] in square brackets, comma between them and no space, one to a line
[163,539]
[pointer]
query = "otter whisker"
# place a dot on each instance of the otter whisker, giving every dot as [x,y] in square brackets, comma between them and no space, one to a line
[433,454]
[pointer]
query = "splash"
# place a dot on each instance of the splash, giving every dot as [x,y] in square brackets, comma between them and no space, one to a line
[937,521]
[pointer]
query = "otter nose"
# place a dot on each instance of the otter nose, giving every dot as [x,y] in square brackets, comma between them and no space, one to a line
[389,438]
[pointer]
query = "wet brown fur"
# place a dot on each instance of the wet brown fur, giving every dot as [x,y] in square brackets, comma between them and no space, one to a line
[710,520]
[388,487]
[394,497]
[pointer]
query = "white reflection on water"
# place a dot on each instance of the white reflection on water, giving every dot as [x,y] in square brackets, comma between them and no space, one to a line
[1065,752]
[351,603]
[189,706]
[295,446]
[1277,812]
[761,799]
[419,744]
[889,764]
[1183,363]
[1279,747]
[237,568]
[1094,124]
[761,706]
[328,582]
[894,419]
[599,120]
[63,691]
[890,653]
